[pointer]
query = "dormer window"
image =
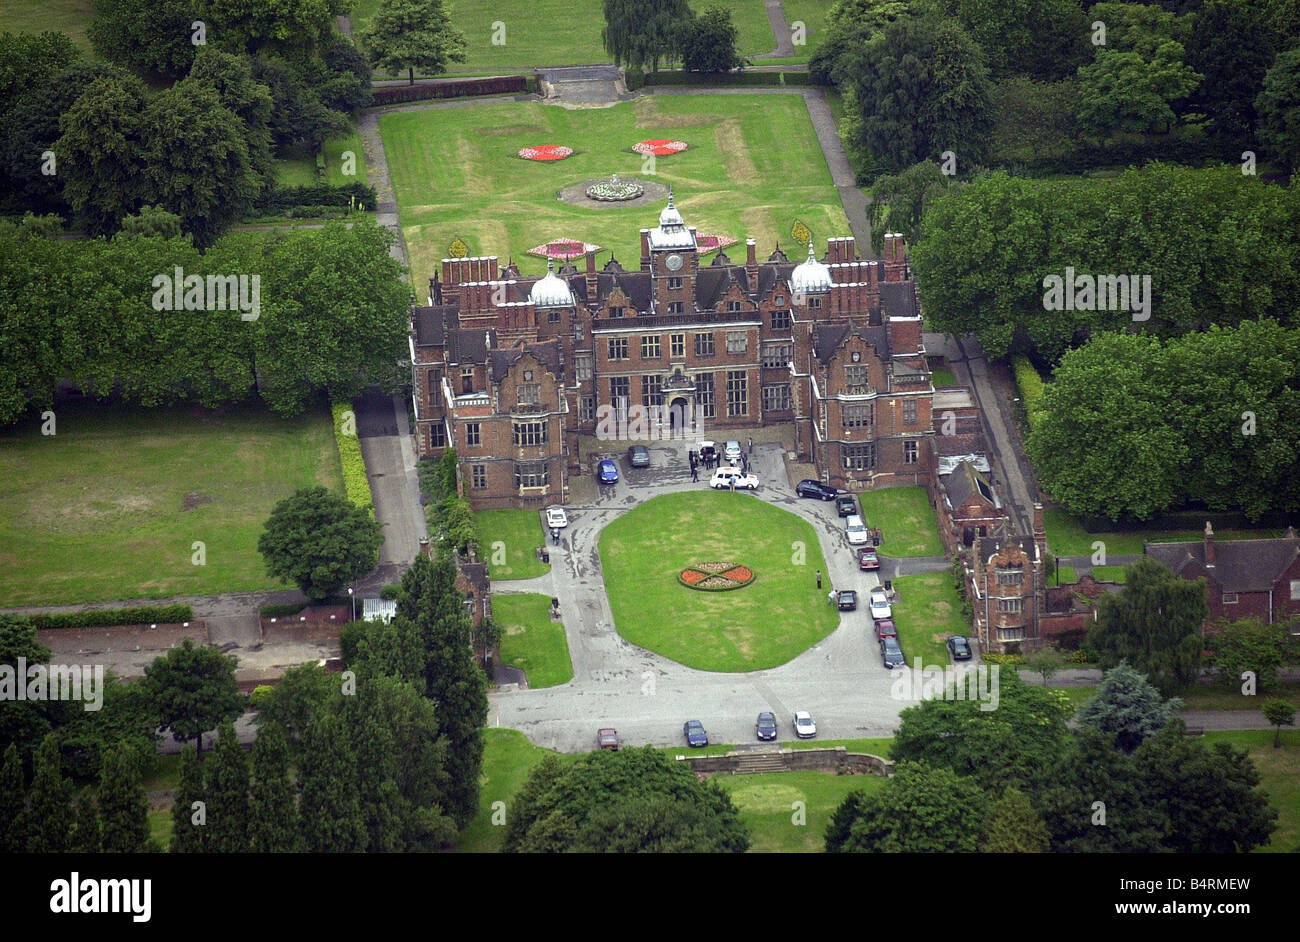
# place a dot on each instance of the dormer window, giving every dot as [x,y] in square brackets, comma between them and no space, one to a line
[855,380]
[814,302]
[617,311]
[733,306]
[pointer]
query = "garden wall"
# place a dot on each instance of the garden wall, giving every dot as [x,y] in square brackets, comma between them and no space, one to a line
[452,88]
[834,759]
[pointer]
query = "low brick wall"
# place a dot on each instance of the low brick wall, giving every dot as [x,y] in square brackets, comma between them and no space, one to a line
[834,759]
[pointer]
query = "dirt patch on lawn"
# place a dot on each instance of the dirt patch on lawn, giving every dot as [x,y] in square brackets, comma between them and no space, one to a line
[194,499]
[735,155]
[648,115]
[515,129]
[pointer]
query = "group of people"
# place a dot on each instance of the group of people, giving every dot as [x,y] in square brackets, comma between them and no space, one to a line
[711,459]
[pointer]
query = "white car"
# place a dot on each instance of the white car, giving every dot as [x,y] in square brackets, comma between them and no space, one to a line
[880,607]
[723,477]
[856,530]
[556,518]
[732,452]
[804,727]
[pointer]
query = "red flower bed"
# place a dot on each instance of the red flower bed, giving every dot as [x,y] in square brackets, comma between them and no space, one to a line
[546,152]
[715,577]
[660,147]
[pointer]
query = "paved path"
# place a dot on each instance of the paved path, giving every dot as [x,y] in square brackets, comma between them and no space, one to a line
[389,452]
[780,32]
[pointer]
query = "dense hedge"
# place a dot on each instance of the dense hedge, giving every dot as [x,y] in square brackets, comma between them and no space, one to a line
[1030,384]
[105,617]
[355,483]
[285,198]
[282,609]
[493,85]
[723,78]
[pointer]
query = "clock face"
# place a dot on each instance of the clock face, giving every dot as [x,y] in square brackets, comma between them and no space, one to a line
[674,262]
[856,356]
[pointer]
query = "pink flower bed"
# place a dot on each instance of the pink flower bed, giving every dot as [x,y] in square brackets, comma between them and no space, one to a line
[708,243]
[563,248]
[661,147]
[546,152]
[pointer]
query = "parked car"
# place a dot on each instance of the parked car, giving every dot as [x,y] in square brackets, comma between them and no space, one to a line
[556,518]
[723,477]
[846,505]
[960,648]
[766,727]
[732,451]
[607,738]
[694,732]
[638,456]
[608,472]
[804,727]
[810,488]
[885,629]
[891,653]
[880,607]
[856,530]
[867,559]
[847,599]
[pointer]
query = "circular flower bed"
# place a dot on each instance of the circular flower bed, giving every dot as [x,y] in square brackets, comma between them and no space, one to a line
[660,148]
[715,577]
[546,152]
[615,190]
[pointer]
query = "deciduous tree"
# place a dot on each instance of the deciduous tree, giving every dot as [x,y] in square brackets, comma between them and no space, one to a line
[327,778]
[225,787]
[411,34]
[187,836]
[1014,827]
[194,688]
[123,804]
[273,826]
[320,541]
[920,809]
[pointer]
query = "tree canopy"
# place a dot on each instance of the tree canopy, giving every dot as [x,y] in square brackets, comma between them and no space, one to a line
[320,541]
[193,688]
[413,34]
[920,809]
[1127,707]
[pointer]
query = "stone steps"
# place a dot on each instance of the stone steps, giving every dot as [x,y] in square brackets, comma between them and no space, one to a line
[761,762]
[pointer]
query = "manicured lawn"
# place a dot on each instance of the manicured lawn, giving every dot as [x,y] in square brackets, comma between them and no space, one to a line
[1067,537]
[767,806]
[531,641]
[295,171]
[905,520]
[766,623]
[1218,697]
[334,151]
[927,613]
[942,378]
[1061,575]
[508,757]
[754,30]
[109,508]
[61,16]
[1078,695]
[812,13]
[1109,573]
[753,167]
[161,827]
[1279,772]
[508,540]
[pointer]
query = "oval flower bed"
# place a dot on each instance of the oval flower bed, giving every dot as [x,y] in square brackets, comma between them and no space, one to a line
[661,147]
[715,577]
[546,152]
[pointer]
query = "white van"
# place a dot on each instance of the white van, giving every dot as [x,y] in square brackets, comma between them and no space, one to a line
[723,477]
[856,530]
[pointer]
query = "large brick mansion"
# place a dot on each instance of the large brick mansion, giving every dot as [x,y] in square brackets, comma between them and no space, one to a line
[510,371]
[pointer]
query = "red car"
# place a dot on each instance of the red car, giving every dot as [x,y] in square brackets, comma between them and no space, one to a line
[607,739]
[867,558]
[885,629]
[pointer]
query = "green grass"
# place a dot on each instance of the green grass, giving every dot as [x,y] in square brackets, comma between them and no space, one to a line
[813,15]
[928,612]
[531,641]
[943,378]
[508,757]
[1067,537]
[766,623]
[166,774]
[161,827]
[295,171]
[61,16]
[1078,695]
[752,168]
[1279,772]
[905,520]
[334,150]
[767,806]
[753,30]
[1218,697]
[1061,575]
[98,511]
[508,540]
[1108,573]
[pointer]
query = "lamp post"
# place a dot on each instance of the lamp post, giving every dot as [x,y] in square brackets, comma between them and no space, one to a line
[353,599]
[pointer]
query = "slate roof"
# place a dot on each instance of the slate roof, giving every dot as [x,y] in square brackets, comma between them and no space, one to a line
[898,299]
[827,338]
[548,352]
[470,345]
[965,481]
[476,574]
[431,324]
[1239,565]
[986,546]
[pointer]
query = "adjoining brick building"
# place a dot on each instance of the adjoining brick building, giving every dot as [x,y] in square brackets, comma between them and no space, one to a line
[511,370]
[1007,587]
[1243,578]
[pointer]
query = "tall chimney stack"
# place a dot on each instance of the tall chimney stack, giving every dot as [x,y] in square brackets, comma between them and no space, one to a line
[1209,545]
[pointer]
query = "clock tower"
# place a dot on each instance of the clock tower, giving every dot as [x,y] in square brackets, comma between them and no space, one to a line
[673,262]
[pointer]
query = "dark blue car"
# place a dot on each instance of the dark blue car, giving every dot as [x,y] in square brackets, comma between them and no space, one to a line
[695,734]
[608,472]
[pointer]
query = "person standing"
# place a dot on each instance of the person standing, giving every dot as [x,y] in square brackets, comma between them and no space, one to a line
[831,597]
[695,472]
[751,446]
[819,578]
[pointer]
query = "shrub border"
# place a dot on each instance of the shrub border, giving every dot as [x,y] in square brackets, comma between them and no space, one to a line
[355,483]
[111,617]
